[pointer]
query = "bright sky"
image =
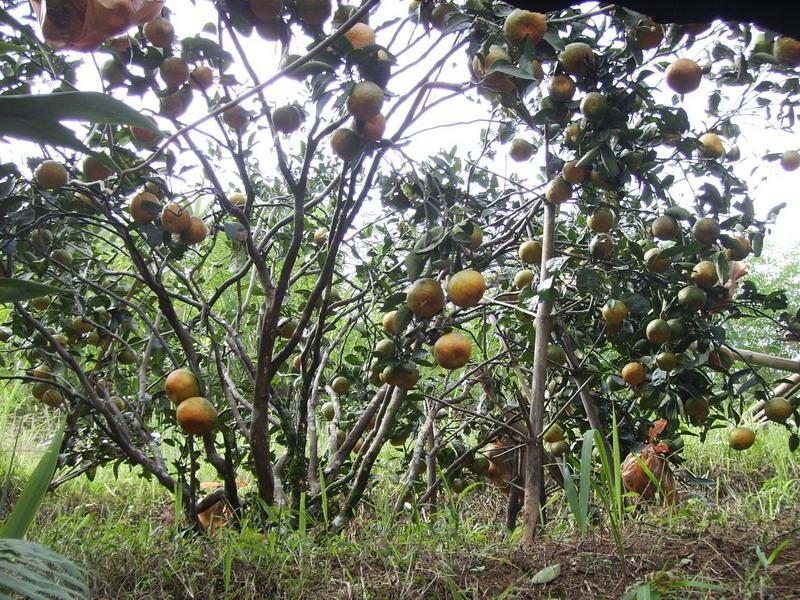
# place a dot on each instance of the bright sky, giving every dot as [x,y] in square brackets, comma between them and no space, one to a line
[769,184]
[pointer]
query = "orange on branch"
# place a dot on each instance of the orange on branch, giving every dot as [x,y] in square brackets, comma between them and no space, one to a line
[466,288]
[452,350]
[196,415]
[181,384]
[425,297]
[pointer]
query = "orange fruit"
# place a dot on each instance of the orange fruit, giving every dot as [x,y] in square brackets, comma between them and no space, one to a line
[313,12]
[266,10]
[577,58]
[145,136]
[52,397]
[530,252]
[658,331]
[594,106]
[404,375]
[556,354]
[790,160]
[521,24]
[741,438]
[94,170]
[654,262]
[601,220]
[558,191]
[683,76]
[373,128]
[159,32]
[386,348]
[704,274]
[601,246]
[235,117]
[174,71]
[388,322]
[692,297]
[466,288]
[452,350]
[667,361]
[573,173]
[696,408]
[496,82]
[633,373]
[614,311]
[739,254]
[787,51]
[340,385]
[196,415]
[61,257]
[665,228]
[237,199]
[778,409]
[175,104]
[195,233]
[561,88]
[346,143]
[711,146]
[114,73]
[553,434]
[287,328]
[181,384]
[51,175]
[321,235]
[175,218]
[520,150]
[201,78]
[648,35]
[523,278]
[425,297]
[706,231]
[144,207]
[286,119]
[365,100]
[360,35]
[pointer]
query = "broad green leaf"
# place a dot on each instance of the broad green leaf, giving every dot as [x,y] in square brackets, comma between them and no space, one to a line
[27,505]
[547,574]
[15,290]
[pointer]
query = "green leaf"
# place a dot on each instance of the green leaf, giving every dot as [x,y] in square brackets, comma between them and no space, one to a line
[33,571]
[15,290]
[547,574]
[93,107]
[50,133]
[33,493]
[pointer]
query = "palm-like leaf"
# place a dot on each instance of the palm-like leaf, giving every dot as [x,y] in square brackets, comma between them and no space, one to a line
[32,571]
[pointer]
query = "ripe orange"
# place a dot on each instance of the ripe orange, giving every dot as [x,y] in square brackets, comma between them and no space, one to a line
[711,146]
[235,117]
[373,128]
[601,246]
[520,150]
[405,375]
[648,35]
[386,348]
[790,160]
[159,32]
[466,288]
[321,235]
[665,228]
[174,71]
[658,331]
[633,373]
[561,88]
[313,12]
[181,384]
[654,262]
[51,175]
[601,220]
[787,51]
[144,207]
[52,397]
[346,143]
[667,361]
[266,10]
[521,24]
[425,297]
[741,438]
[496,82]
[145,136]
[94,170]
[683,76]
[360,35]
[237,199]
[573,173]
[365,100]
[286,119]
[201,78]
[175,104]
[706,231]
[388,322]
[743,252]
[175,218]
[598,180]
[704,274]
[195,233]
[530,252]
[696,408]
[594,106]
[452,350]
[558,191]
[196,415]
[614,311]
[577,58]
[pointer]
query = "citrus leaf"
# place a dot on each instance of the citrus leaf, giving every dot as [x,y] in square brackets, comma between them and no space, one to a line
[15,290]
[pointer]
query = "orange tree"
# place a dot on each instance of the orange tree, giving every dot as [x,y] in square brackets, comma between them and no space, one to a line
[253,270]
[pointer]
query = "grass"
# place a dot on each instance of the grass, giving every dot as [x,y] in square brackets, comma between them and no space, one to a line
[736,539]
